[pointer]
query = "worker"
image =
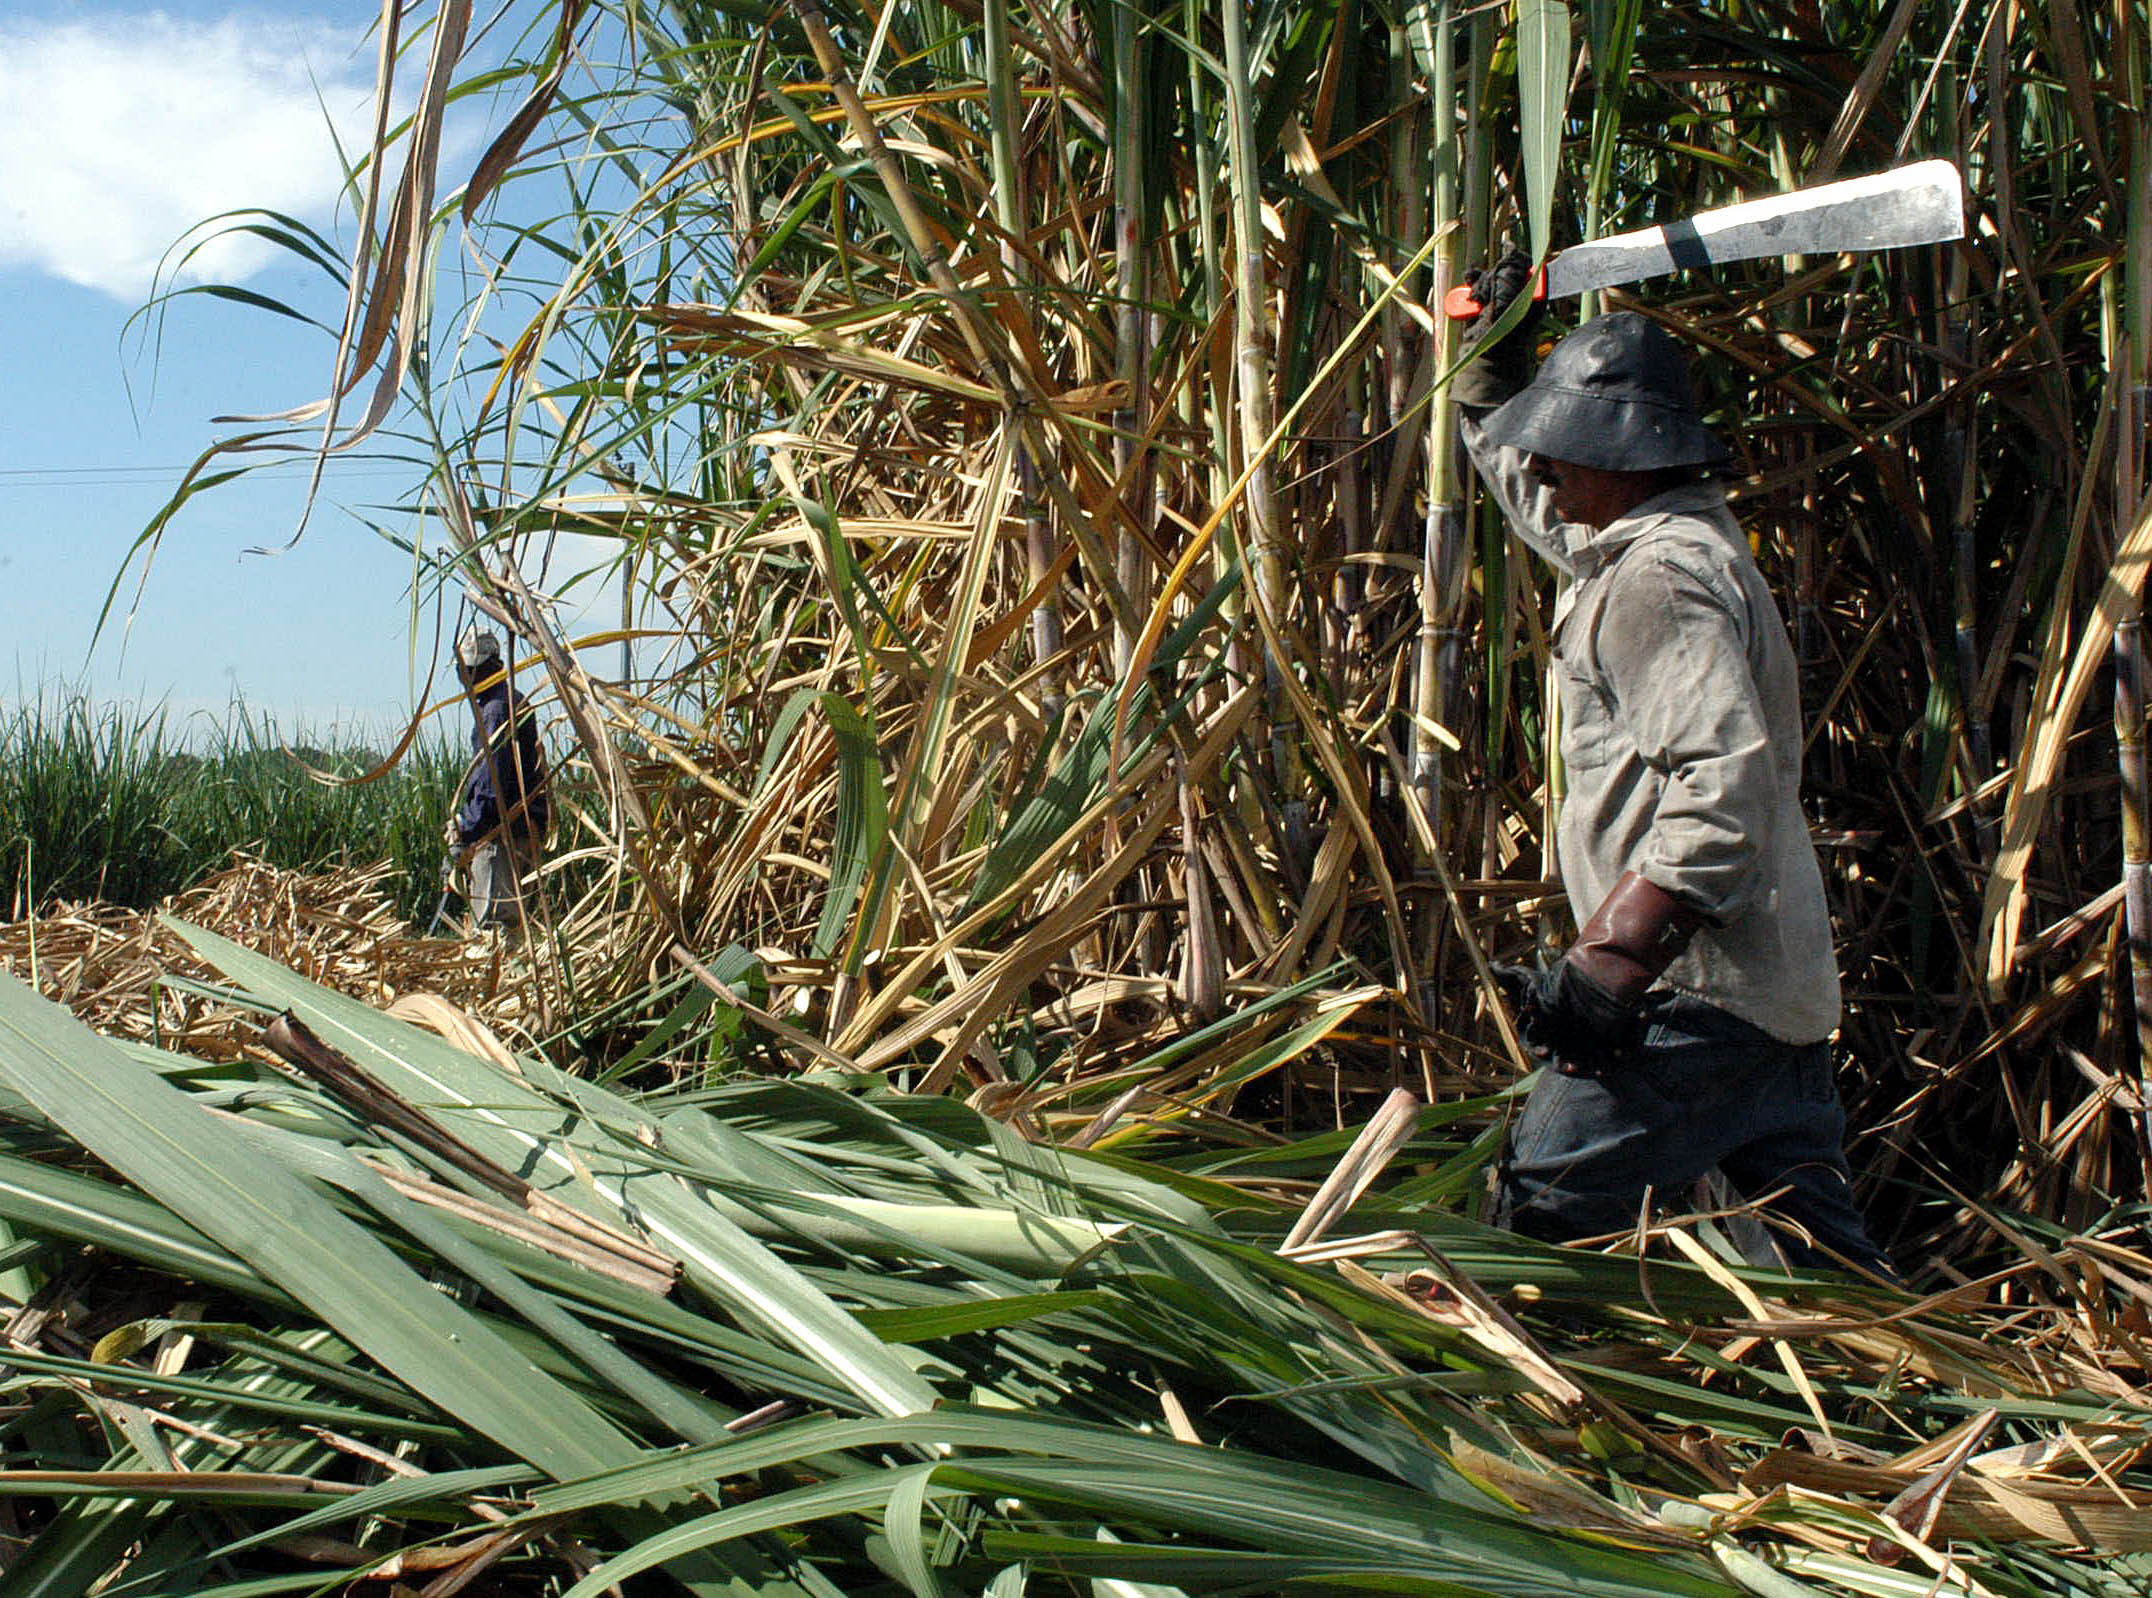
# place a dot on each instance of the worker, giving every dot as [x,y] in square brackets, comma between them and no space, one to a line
[500,819]
[1689,1024]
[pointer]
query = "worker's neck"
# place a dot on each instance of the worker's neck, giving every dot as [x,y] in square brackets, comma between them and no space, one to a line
[1604,498]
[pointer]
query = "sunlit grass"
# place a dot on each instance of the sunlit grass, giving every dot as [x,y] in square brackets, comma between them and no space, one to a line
[128,804]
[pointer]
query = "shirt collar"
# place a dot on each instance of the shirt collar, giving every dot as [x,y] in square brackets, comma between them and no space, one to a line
[1592,552]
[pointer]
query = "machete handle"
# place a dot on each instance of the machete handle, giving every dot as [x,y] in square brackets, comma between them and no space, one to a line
[1462,305]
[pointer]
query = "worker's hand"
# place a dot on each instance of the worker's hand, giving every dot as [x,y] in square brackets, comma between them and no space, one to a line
[1493,291]
[452,837]
[1505,365]
[1567,1021]
[1517,982]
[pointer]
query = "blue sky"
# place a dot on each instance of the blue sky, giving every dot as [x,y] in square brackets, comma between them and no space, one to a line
[120,127]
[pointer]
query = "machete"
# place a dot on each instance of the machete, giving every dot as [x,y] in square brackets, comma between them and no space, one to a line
[448,892]
[1919,204]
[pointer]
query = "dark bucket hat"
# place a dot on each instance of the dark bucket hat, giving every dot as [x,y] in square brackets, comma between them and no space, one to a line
[1614,394]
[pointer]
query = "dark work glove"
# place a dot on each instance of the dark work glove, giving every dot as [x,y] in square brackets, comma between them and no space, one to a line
[1567,1021]
[1506,365]
[1580,1016]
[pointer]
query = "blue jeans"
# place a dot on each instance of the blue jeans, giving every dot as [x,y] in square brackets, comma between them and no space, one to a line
[1706,1089]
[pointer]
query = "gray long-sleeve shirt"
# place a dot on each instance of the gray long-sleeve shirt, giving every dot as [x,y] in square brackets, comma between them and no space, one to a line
[1681,731]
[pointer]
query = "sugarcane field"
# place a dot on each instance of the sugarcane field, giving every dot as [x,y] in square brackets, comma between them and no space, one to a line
[1291,798]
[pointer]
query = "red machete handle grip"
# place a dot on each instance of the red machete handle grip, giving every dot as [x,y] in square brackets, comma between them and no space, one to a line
[1459,305]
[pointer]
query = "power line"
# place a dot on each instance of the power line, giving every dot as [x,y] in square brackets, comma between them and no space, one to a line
[298,468]
[32,484]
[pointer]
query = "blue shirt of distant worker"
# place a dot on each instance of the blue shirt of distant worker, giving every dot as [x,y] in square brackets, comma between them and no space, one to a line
[500,821]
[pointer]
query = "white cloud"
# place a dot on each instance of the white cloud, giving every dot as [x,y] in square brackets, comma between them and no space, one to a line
[120,132]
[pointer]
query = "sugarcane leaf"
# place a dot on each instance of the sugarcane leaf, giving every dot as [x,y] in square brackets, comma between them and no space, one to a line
[850,1496]
[1543,98]
[676,1408]
[976,1237]
[904,1523]
[978,1315]
[598,1165]
[786,723]
[781,235]
[175,1151]
[307,1582]
[1263,1058]
[1613,45]
[57,1203]
[1756,1577]
[1278,1506]
[389,1499]
[308,1411]
[861,838]
[692,1006]
[1208,1567]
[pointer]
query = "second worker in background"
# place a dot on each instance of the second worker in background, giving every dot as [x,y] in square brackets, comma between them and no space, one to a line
[500,820]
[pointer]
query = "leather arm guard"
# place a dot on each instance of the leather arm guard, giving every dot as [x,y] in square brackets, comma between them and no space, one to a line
[1635,934]
[1581,1015]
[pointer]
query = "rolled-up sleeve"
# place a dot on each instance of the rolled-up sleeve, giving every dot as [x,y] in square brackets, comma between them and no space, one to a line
[1673,645]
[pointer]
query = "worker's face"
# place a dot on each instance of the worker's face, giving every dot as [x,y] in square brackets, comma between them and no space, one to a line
[1590,496]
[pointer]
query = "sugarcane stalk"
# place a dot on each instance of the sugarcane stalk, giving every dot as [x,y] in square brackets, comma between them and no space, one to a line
[1254,359]
[1497,570]
[1398,342]
[1131,323]
[1348,590]
[1961,420]
[1443,547]
[1017,386]
[1211,258]
[1131,460]
[627,619]
[1205,412]
[2129,648]
[1004,133]
[2132,343]
[1202,975]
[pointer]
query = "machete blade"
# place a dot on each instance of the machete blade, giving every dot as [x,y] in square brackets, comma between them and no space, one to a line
[1919,204]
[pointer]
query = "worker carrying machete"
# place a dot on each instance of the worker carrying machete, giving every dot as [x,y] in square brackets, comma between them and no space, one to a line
[500,818]
[1688,1026]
